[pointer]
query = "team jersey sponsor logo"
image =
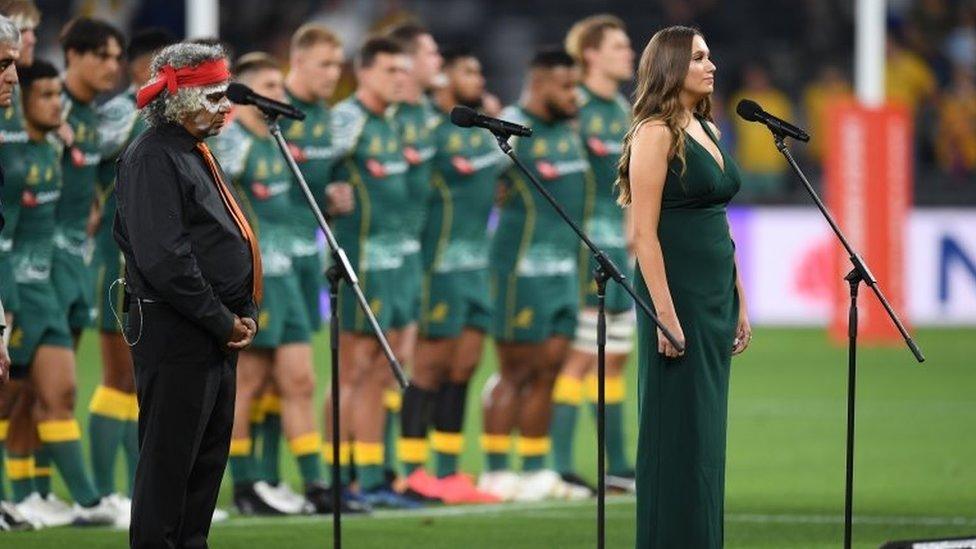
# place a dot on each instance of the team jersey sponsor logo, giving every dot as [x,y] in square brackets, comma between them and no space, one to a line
[297,153]
[264,191]
[13,137]
[304,154]
[380,170]
[81,159]
[603,148]
[462,165]
[554,170]
[31,199]
[412,155]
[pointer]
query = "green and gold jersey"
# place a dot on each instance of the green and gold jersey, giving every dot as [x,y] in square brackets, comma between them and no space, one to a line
[531,239]
[416,123]
[31,193]
[13,137]
[119,122]
[372,162]
[603,123]
[12,130]
[465,171]
[311,145]
[79,167]
[262,180]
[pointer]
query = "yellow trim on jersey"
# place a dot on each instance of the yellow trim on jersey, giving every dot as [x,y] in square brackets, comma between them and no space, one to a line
[41,471]
[362,200]
[528,231]
[4,427]
[441,185]
[256,415]
[66,430]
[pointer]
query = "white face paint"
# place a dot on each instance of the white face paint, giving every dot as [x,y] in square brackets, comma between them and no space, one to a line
[213,107]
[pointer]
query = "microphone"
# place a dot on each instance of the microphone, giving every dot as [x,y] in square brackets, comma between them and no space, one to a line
[243,95]
[466,117]
[751,111]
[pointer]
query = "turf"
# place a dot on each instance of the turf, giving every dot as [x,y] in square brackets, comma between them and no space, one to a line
[915,477]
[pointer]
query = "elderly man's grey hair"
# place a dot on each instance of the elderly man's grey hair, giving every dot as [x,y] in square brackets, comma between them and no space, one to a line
[172,108]
[9,33]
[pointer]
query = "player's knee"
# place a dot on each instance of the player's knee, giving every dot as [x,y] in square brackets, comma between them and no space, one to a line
[300,385]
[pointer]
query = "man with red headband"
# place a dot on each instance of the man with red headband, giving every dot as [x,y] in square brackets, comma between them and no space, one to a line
[193,281]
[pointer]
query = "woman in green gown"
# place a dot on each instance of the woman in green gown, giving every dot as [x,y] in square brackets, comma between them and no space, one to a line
[677,181]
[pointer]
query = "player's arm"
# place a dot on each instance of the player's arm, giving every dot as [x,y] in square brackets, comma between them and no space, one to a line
[649,157]
[346,126]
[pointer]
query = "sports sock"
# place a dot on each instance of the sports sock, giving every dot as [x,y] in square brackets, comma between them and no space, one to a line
[533,452]
[270,463]
[307,450]
[106,428]
[447,439]
[615,390]
[63,441]
[345,455]
[496,449]
[20,472]
[241,461]
[369,464]
[393,402]
[42,471]
[414,421]
[567,394]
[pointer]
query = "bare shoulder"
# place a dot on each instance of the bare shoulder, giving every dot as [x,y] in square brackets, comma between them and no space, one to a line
[652,134]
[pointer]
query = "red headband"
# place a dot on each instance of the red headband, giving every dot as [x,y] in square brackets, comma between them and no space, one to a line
[207,73]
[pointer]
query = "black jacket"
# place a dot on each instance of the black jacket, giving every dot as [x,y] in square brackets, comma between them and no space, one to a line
[181,245]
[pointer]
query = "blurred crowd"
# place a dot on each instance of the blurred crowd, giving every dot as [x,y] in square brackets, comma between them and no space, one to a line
[793,58]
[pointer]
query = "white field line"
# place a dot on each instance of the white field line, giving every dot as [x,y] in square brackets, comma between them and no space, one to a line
[558,509]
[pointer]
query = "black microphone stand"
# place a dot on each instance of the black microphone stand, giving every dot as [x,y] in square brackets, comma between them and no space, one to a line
[859,273]
[339,271]
[605,270]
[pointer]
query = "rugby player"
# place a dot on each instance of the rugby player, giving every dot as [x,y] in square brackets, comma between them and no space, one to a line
[535,280]
[455,310]
[41,343]
[370,147]
[282,350]
[415,118]
[600,46]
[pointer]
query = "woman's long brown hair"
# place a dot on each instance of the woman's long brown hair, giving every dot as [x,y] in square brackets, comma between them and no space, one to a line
[660,79]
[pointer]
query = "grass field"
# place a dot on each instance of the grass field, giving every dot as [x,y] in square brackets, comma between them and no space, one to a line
[915,477]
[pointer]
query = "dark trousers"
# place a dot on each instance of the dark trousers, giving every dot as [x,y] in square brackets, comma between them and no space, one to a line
[185,384]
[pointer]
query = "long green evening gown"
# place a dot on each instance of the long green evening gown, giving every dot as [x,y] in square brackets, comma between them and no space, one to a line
[683,402]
